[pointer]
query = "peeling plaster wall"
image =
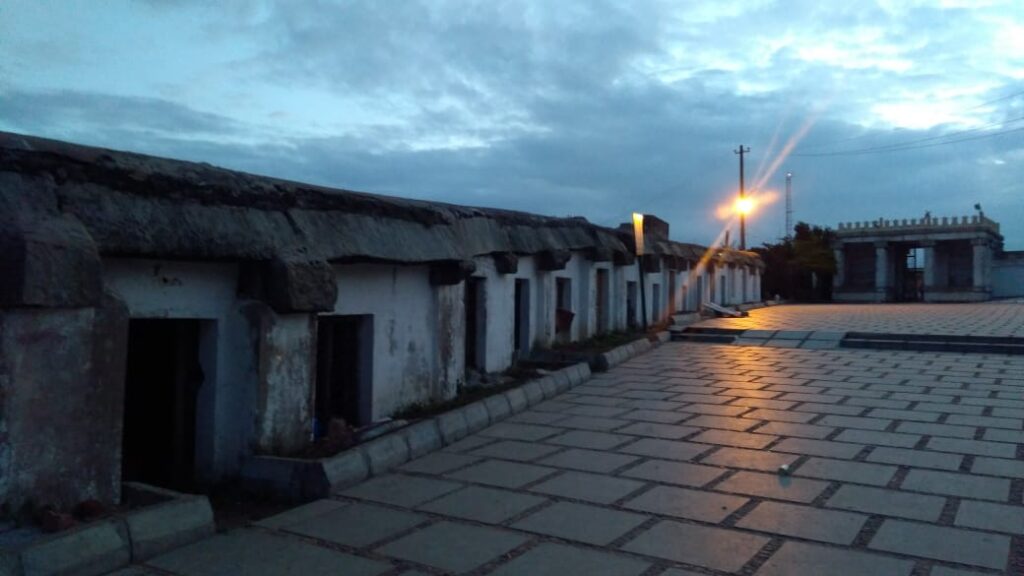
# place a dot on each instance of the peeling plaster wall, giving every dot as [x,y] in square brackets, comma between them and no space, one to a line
[406,347]
[229,397]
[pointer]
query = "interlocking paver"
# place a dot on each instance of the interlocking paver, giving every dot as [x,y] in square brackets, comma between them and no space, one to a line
[715,548]
[439,463]
[515,450]
[255,552]
[956,484]
[845,471]
[549,559]
[751,459]
[669,449]
[921,458]
[590,487]
[804,522]
[798,558]
[357,525]
[930,429]
[818,448]
[451,546]
[511,431]
[926,541]
[488,505]
[401,490]
[588,460]
[587,439]
[878,438]
[998,467]
[855,422]
[686,503]
[657,430]
[773,486]
[977,447]
[670,472]
[887,502]
[737,439]
[504,474]
[989,516]
[581,522]
[795,430]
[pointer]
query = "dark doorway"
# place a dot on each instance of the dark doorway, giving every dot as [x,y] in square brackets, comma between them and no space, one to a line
[476,315]
[344,370]
[602,301]
[162,383]
[563,308]
[672,304]
[631,322]
[521,335]
[909,281]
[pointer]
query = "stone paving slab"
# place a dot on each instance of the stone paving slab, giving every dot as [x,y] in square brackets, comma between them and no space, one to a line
[691,485]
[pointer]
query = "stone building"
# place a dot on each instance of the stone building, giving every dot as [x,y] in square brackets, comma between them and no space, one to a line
[161,321]
[958,259]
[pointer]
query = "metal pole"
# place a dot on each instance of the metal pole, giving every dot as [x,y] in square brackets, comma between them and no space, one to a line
[789,205]
[743,217]
[643,291]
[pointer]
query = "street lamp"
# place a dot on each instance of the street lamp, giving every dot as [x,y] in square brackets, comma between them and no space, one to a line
[638,241]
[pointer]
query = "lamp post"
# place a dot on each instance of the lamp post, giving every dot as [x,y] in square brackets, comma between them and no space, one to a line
[638,241]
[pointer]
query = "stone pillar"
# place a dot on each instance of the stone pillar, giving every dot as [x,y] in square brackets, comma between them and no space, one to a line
[928,248]
[881,271]
[981,261]
[840,277]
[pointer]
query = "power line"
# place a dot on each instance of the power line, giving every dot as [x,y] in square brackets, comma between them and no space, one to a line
[862,136]
[903,147]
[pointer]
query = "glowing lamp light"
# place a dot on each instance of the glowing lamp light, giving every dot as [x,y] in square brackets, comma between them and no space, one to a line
[638,232]
[744,205]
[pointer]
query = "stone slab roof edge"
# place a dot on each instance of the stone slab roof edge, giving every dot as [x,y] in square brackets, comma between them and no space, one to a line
[145,206]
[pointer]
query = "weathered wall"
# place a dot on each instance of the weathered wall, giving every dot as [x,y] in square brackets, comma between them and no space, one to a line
[60,405]
[229,349]
[405,347]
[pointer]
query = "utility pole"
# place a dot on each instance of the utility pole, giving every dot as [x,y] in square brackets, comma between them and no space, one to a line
[743,217]
[789,205]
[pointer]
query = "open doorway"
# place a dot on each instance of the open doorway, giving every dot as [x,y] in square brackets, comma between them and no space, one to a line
[673,305]
[344,370]
[602,304]
[521,330]
[563,309]
[631,321]
[476,323]
[163,377]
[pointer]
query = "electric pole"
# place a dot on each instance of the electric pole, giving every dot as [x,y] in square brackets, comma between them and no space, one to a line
[789,205]
[743,217]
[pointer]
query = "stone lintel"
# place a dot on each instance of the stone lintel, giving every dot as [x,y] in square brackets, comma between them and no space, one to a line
[550,260]
[450,272]
[300,285]
[506,262]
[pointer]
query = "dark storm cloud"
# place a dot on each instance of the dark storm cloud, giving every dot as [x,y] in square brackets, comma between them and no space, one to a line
[588,108]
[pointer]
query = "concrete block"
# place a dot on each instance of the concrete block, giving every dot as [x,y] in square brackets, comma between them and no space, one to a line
[423,437]
[497,407]
[300,286]
[156,529]
[386,452]
[271,475]
[476,416]
[548,386]
[584,370]
[339,471]
[49,262]
[452,425]
[534,393]
[517,399]
[93,549]
[561,384]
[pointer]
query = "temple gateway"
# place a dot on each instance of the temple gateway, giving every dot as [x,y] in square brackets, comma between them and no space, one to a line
[948,259]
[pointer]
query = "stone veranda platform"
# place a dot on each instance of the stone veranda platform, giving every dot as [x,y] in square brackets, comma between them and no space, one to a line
[902,463]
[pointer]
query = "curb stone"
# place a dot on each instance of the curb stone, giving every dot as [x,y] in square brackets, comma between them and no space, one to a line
[174,520]
[304,480]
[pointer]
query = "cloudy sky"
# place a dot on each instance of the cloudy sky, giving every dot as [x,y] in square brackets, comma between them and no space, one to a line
[575,107]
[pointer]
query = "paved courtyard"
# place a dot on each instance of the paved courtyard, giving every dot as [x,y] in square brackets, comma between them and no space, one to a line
[901,463]
[1005,318]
